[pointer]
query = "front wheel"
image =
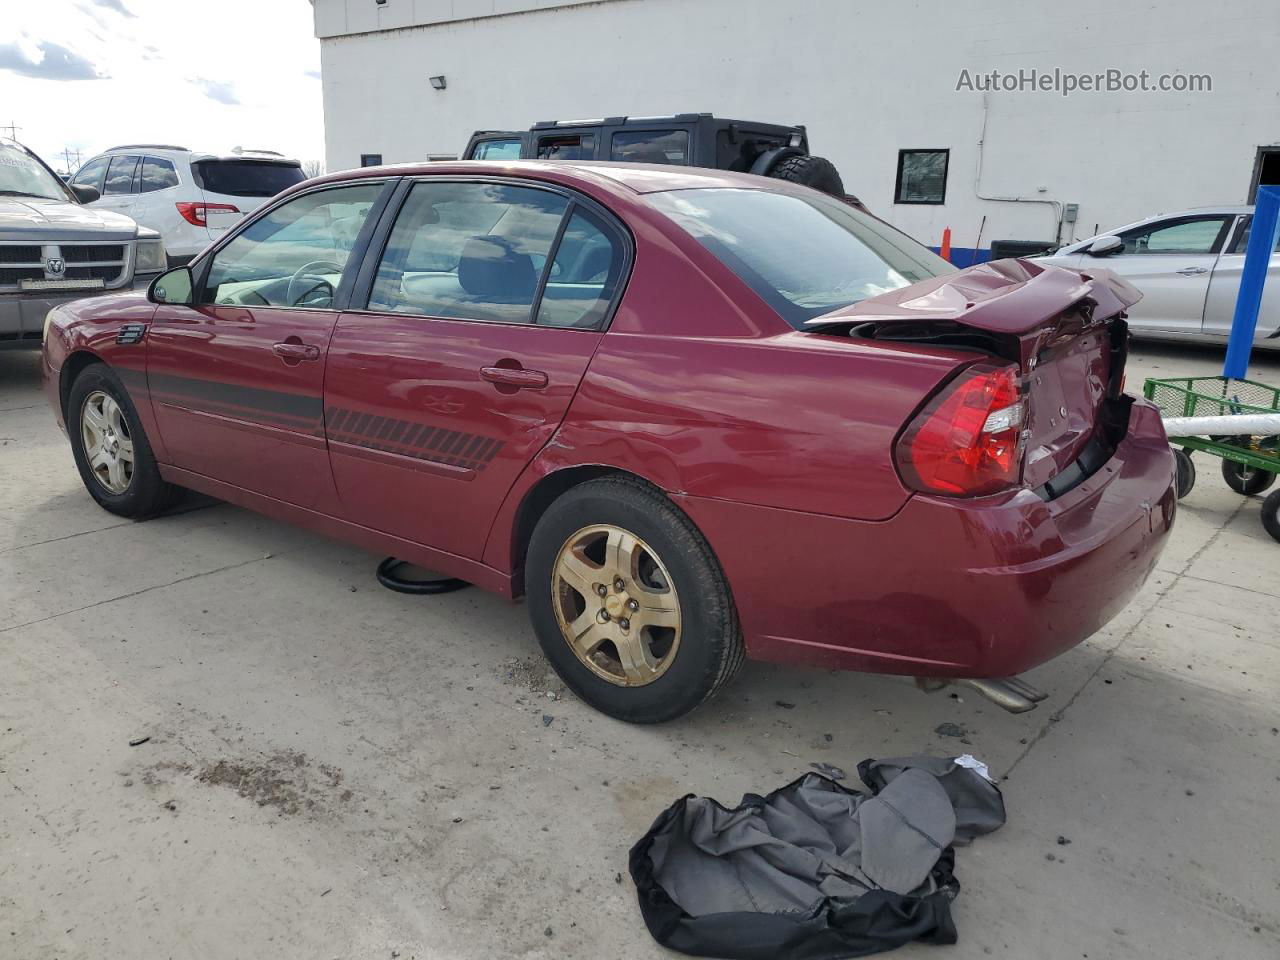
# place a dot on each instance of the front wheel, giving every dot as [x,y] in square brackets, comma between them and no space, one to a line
[1186,472]
[628,602]
[111,448]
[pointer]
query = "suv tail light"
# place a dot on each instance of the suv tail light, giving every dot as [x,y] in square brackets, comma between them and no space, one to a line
[196,213]
[967,441]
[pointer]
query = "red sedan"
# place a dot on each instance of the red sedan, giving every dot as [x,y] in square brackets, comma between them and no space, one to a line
[691,415]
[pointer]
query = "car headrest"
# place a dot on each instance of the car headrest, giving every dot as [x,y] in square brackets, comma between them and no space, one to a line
[490,267]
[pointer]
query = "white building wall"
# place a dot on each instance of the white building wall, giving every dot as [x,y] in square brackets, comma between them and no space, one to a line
[867,78]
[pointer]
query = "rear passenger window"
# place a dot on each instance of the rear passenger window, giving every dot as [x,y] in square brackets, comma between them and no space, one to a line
[576,147]
[584,275]
[120,175]
[468,251]
[156,174]
[651,146]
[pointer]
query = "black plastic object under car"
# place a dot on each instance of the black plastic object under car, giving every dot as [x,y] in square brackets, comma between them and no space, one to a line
[814,870]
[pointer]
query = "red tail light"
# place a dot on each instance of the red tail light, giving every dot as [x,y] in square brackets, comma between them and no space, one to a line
[967,441]
[196,213]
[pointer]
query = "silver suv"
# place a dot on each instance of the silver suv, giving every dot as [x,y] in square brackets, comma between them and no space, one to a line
[53,248]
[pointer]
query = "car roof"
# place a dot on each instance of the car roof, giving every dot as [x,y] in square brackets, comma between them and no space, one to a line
[172,150]
[638,177]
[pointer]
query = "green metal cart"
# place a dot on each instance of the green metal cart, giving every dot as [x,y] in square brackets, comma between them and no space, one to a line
[1249,463]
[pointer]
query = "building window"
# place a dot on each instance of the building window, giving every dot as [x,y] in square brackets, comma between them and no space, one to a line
[370,159]
[922,176]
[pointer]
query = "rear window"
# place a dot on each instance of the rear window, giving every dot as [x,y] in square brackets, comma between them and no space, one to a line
[246,178]
[805,256]
[651,146]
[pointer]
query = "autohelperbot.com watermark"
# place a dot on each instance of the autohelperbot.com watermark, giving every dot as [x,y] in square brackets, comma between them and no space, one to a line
[1066,82]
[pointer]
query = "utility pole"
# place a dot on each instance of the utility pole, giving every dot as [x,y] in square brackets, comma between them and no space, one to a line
[13,129]
[67,153]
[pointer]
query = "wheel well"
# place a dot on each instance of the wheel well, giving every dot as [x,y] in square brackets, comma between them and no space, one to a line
[71,368]
[545,492]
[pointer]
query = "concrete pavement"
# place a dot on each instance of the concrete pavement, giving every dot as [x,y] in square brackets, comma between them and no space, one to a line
[334,770]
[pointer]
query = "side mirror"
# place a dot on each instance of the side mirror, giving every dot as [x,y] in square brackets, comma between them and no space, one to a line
[176,286]
[84,193]
[1105,246]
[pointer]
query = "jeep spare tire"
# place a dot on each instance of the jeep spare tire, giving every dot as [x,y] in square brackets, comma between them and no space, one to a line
[816,172]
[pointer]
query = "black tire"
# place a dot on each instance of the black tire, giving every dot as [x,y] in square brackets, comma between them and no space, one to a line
[1246,480]
[146,494]
[1271,515]
[1186,472]
[816,172]
[710,648]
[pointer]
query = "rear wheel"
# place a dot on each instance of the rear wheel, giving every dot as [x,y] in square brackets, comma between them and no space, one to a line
[1186,472]
[1271,514]
[817,172]
[628,602]
[111,448]
[1246,480]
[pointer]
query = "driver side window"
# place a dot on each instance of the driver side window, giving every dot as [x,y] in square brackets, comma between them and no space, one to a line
[295,255]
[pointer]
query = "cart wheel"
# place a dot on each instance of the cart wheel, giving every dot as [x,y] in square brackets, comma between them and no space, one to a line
[1271,514]
[1246,480]
[1186,472]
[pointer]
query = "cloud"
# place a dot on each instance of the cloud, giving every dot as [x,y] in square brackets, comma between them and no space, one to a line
[313,74]
[216,90]
[116,5]
[56,63]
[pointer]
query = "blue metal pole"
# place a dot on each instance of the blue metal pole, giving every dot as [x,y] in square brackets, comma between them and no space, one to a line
[1257,257]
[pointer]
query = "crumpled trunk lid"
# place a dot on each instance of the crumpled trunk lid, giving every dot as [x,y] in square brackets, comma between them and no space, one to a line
[1062,327]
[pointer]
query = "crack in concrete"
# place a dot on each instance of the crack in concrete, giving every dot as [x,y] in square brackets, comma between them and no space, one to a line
[111,526]
[1057,715]
[137,593]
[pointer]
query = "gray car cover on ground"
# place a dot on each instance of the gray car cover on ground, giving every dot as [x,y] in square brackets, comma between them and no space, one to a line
[814,870]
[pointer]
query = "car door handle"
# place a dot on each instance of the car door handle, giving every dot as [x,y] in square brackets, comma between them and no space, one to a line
[297,352]
[1191,271]
[514,377]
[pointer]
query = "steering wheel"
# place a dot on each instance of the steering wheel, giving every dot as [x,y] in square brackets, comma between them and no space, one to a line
[293,294]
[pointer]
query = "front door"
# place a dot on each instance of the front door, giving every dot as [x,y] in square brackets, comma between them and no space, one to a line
[236,377]
[117,190]
[1170,261]
[481,318]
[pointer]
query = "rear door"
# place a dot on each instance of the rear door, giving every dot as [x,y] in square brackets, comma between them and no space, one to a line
[1170,261]
[481,314]
[1224,287]
[237,377]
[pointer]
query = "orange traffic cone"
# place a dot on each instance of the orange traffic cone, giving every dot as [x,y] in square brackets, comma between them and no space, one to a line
[945,252]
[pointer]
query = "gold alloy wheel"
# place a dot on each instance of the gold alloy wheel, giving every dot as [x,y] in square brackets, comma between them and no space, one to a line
[104,435]
[616,605]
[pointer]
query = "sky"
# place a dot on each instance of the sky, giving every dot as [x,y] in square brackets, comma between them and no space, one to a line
[206,74]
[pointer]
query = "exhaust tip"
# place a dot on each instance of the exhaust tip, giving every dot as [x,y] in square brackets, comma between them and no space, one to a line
[1012,693]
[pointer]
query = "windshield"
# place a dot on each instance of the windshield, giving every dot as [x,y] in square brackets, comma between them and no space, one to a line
[804,255]
[246,178]
[22,175]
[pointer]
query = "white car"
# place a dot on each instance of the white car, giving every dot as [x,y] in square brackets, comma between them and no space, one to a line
[190,198]
[1187,266]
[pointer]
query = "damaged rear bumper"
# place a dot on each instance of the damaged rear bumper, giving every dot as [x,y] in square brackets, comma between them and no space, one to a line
[987,587]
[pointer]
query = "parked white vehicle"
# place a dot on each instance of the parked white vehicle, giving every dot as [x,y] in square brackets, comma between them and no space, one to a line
[191,198]
[1187,266]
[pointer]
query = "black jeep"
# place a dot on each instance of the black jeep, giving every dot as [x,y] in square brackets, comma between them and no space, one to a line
[687,139]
